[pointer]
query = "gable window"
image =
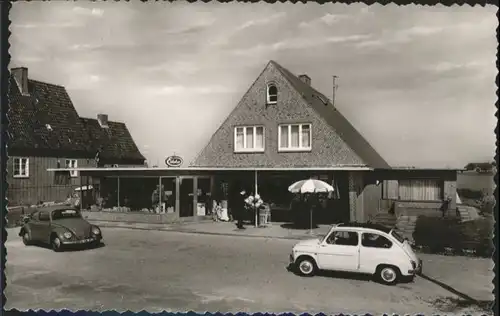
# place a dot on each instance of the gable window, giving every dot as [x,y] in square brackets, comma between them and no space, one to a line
[72,164]
[420,190]
[272,93]
[294,137]
[249,139]
[21,168]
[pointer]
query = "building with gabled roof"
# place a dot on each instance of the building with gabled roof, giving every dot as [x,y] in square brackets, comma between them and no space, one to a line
[45,131]
[283,122]
[335,142]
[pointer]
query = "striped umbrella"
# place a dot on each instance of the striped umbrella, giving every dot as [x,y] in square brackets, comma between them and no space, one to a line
[310,186]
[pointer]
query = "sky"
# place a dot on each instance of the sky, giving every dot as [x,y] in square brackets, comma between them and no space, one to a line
[418,82]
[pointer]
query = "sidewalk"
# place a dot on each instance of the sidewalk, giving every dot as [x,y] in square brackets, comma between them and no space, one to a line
[276,230]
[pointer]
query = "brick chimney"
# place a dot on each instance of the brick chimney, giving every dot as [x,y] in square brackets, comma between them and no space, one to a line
[20,74]
[305,79]
[103,120]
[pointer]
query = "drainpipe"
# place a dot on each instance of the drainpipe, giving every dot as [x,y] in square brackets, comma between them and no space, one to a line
[118,197]
[256,190]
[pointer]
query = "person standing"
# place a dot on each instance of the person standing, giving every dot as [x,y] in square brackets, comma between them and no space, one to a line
[237,203]
[241,209]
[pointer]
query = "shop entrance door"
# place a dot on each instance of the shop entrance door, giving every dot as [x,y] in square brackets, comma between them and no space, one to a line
[186,197]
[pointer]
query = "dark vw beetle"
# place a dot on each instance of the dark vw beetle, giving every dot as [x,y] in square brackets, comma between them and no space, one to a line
[59,227]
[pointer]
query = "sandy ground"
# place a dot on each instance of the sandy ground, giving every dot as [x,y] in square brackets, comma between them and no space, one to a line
[157,270]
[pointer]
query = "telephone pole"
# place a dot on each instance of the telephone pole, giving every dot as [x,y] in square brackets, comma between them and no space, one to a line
[335,86]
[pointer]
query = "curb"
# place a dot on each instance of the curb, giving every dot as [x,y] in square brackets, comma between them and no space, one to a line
[189,231]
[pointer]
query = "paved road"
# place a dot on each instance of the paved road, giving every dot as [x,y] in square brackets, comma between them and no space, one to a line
[171,271]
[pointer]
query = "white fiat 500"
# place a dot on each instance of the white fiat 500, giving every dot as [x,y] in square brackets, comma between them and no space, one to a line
[356,247]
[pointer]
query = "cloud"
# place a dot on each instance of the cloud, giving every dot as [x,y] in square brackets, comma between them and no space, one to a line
[327,19]
[81,47]
[400,36]
[224,40]
[263,21]
[175,68]
[298,43]
[199,25]
[46,25]
[89,11]
[182,89]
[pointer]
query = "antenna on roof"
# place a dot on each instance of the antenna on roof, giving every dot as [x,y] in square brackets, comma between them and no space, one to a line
[335,86]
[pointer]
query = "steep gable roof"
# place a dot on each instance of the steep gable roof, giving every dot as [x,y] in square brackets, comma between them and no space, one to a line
[113,142]
[45,122]
[323,106]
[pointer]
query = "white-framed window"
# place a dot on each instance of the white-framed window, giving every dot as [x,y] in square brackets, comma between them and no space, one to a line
[272,93]
[72,163]
[294,137]
[249,139]
[21,167]
[421,190]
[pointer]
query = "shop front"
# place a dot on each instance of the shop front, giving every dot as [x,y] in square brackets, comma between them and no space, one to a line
[146,195]
[188,194]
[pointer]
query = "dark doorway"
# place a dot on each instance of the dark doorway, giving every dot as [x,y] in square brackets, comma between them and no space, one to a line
[186,197]
[168,197]
[204,206]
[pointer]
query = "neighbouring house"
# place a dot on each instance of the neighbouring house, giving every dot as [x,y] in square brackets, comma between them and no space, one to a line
[45,131]
[481,167]
[283,130]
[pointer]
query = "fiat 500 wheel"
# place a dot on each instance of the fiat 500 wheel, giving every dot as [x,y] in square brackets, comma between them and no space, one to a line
[56,244]
[388,275]
[26,239]
[306,267]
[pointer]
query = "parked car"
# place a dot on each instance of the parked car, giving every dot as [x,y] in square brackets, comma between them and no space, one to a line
[59,227]
[362,248]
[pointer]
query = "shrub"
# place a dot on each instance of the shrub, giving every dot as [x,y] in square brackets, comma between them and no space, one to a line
[470,194]
[437,233]
[487,204]
[477,235]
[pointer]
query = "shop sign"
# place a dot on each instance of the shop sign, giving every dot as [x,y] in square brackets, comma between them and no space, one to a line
[173,161]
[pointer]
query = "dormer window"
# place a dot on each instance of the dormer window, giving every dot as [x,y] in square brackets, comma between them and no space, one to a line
[272,94]
[48,127]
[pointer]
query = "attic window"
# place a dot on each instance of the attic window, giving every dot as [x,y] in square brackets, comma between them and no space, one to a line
[48,127]
[272,94]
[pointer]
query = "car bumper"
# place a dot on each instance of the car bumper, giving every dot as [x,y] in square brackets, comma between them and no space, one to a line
[417,270]
[291,262]
[86,241]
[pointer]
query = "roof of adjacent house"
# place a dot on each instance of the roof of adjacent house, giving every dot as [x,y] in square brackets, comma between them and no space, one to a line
[324,107]
[45,121]
[113,142]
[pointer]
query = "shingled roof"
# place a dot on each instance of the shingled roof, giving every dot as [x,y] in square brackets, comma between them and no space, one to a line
[113,142]
[45,122]
[323,106]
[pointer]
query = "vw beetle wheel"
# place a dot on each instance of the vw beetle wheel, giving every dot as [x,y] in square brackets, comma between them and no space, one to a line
[56,244]
[388,275]
[306,267]
[26,239]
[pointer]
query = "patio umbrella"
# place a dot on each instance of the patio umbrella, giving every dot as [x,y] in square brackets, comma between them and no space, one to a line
[310,186]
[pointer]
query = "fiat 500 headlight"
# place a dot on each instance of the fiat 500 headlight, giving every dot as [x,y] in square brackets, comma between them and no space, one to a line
[96,231]
[67,235]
